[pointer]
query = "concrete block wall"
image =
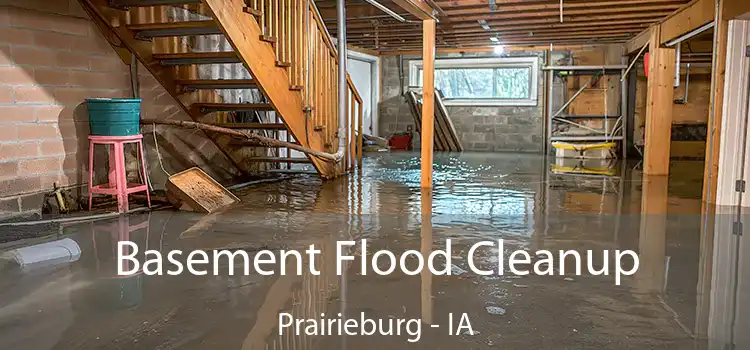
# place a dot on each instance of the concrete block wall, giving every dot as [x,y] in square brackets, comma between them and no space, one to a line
[480,128]
[52,57]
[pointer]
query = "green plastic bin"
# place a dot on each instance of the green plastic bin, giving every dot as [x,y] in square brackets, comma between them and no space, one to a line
[114,116]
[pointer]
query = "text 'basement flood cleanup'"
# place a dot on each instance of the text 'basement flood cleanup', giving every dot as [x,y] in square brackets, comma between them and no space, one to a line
[382,262]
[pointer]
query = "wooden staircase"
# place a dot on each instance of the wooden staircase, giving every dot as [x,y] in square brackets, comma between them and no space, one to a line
[286,82]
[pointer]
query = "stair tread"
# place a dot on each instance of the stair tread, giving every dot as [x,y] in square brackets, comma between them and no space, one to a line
[279,159]
[147,3]
[186,58]
[171,25]
[167,29]
[233,106]
[218,83]
[273,126]
[222,54]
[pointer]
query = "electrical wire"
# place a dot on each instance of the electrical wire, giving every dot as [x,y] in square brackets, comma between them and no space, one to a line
[158,154]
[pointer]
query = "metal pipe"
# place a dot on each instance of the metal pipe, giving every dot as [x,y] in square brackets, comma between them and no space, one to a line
[690,35]
[363,18]
[687,82]
[678,56]
[341,29]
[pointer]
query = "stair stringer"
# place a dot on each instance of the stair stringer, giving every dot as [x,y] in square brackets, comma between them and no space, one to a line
[259,57]
[111,26]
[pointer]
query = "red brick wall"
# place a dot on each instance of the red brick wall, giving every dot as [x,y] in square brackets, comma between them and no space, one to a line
[49,63]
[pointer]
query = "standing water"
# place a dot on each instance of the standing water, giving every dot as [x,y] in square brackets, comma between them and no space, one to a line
[679,298]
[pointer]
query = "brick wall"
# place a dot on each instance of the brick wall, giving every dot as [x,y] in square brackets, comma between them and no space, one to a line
[52,58]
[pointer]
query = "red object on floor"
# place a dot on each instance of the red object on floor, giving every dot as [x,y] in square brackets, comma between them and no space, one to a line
[118,182]
[646,59]
[400,141]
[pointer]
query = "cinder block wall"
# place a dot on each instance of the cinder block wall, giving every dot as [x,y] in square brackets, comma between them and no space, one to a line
[479,128]
[52,58]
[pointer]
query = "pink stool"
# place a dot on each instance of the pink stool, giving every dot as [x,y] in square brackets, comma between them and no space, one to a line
[118,182]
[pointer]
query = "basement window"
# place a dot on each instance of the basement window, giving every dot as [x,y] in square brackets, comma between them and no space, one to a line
[497,81]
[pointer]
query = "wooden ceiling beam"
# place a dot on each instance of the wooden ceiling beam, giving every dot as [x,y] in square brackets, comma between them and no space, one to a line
[417,8]
[557,45]
[506,38]
[607,6]
[487,36]
[735,8]
[366,10]
[638,41]
[540,4]
[590,13]
[444,50]
[526,27]
[529,22]
[483,42]
[358,11]
[613,18]
[687,18]
[590,29]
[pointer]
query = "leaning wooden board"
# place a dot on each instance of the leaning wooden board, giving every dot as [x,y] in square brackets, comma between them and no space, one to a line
[416,110]
[446,139]
[198,191]
[447,123]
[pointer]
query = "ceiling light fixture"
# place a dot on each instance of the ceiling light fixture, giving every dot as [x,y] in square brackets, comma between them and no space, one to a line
[495,40]
[498,50]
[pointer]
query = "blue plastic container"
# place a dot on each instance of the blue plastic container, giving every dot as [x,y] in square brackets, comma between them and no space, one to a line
[114,116]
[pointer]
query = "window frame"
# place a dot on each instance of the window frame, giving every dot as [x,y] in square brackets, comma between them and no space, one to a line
[493,62]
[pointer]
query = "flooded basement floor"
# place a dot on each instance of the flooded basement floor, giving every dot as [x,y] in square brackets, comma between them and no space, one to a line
[690,291]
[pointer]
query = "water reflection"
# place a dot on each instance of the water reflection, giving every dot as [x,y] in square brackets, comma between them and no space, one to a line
[690,291]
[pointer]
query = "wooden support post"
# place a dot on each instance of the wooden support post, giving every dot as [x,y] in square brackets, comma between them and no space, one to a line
[659,102]
[428,99]
[653,235]
[716,108]
[426,250]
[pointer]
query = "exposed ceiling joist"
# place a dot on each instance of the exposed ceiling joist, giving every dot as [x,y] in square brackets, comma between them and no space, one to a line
[470,23]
